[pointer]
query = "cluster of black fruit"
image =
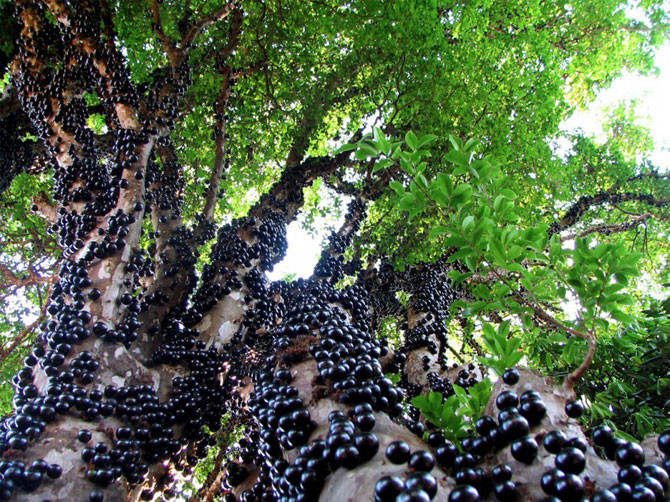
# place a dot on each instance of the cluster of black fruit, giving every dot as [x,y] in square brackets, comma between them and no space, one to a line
[17,154]
[232,249]
[163,184]
[181,241]
[325,324]
[169,85]
[346,445]
[330,264]
[89,184]
[16,473]
[517,415]
[637,481]
[348,358]
[196,400]
[464,378]
[418,486]
[432,295]
[382,284]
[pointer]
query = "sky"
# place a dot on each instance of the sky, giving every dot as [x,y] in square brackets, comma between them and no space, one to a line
[652,93]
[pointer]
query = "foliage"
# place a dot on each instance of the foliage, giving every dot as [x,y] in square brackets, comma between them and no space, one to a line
[504,349]
[628,383]
[389,330]
[478,218]
[458,412]
[221,451]
[523,271]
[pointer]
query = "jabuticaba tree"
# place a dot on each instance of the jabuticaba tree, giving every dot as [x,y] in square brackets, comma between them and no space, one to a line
[179,139]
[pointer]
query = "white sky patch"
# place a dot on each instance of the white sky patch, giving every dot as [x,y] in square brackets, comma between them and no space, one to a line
[653,96]
[302,254]
[304,249]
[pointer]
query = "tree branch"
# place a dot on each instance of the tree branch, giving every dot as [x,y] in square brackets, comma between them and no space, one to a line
[104,60]
[6,351]
[577,210]
[329,265]
[110,32]
[220,108]
[584,335]
[157,26]
[195,30]
[653,174]
[610,229]
[10,279]
[286,196]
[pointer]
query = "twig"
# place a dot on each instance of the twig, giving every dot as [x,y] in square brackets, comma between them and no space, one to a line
[588,335]
[20,338]
[610,229]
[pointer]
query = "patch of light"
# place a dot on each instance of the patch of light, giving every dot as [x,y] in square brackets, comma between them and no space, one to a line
[304,246]
[302,254]
[653,104]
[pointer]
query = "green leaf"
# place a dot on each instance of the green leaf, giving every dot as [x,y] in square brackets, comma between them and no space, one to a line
[421,181]
[497,203]
[426,139]
[397,187]
[460,393]
[468,222]
[381,164]
[622,316]
[407,202]
[377,133]
[445,183]
[458,158]
[364,151]
[470,145]
[462,190]
[421,402]
[347,147]
[435,398]
[411,140]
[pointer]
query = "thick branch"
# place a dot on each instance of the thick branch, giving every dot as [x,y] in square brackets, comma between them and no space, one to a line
[610,229]
[110,32]
[330,264]
[104,60]
[195,30]
[220,108]
[577,210]
[286,197]
[157,25]
[653,174]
